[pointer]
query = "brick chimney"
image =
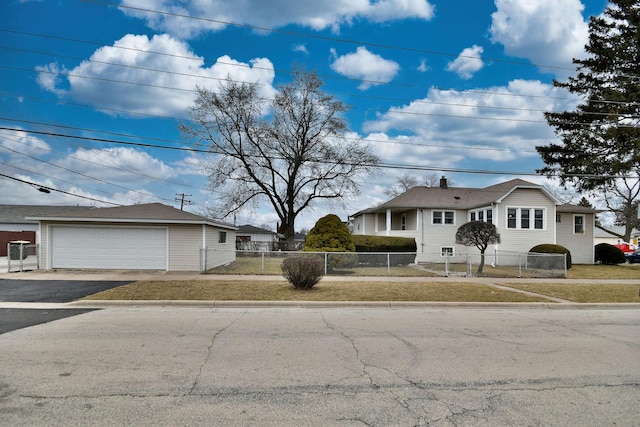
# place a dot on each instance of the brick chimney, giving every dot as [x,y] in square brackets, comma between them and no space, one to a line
[443,183]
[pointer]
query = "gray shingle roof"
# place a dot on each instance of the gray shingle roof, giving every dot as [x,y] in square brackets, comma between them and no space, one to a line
[150,212]
[18,213]
[250,229]
[452,197]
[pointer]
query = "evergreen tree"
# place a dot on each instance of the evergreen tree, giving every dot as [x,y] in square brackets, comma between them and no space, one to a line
[600,140]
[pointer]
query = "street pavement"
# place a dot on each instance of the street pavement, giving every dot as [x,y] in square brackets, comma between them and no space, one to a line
[312,366]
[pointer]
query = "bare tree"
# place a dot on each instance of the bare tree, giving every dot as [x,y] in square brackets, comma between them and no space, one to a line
[622,198]
[290,150]
[407,181]
[403,183]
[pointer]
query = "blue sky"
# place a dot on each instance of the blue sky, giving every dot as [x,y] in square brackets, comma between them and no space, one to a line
[454,87]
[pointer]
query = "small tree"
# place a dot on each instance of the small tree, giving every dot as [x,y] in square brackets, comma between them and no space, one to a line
[332,235]
[479,234]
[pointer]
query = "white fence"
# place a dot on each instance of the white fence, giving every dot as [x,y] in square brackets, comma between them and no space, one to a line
[502,264]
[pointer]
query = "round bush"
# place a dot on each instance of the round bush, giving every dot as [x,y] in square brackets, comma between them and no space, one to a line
[552,249]
[303,272]
[609,254]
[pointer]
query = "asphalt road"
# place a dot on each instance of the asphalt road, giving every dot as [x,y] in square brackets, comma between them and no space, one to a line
[149,366]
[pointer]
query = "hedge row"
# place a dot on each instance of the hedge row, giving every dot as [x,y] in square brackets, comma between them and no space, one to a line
[384,244]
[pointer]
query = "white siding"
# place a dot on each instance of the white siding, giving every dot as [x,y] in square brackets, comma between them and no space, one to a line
[581,246]
[518,240]
[219,253]
[432,237]
[185,242]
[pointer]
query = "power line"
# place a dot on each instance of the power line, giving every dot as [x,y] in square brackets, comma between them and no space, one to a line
[381,165]
[38,186]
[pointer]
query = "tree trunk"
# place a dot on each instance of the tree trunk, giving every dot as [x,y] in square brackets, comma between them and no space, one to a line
[481,265]
[287,229]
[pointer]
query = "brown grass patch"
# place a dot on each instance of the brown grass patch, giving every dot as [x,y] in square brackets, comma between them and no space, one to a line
[584,292]
[204,290]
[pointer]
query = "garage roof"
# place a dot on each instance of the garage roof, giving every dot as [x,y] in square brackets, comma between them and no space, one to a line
[144,213]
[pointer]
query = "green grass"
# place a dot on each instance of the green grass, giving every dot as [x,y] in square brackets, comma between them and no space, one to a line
[246,290]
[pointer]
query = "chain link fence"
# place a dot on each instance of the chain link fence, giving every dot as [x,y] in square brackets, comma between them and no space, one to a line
[498,264]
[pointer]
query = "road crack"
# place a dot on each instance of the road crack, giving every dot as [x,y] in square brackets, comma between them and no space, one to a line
[209,349]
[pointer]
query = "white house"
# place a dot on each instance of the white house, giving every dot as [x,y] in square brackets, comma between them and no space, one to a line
[148,236]
[250,238]
[524,213]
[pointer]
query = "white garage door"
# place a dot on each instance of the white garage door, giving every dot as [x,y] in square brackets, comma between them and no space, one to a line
[109,247]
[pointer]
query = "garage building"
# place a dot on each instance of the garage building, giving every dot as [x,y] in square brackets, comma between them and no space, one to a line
[139,237]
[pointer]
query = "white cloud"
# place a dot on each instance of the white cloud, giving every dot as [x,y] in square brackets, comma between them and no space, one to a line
[496,123]
[468,62]
[423,67]
[372,69]
[118,164]
[547,32]
[22,142]
[147,90]
[302,48]
[215,14]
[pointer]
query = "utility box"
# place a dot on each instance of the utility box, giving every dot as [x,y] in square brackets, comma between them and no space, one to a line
[18,250]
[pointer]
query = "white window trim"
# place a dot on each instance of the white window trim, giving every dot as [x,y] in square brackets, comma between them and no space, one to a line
[443,217]
[532,218]
[453,251]
[484,212]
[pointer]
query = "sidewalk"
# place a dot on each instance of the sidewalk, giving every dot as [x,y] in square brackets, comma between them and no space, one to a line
[138,275]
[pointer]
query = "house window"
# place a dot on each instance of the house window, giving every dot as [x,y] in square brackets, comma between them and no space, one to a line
[446,251]
[538,220]
[520,218]
[443,217]
[524,218]
[511,218]
[485,215]
[403,222]
[222,237]
[558,218]
[578,224]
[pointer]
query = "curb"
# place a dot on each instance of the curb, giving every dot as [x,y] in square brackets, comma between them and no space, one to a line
[348,304]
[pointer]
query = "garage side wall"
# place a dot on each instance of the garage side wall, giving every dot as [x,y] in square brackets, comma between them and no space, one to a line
[185,242]
[221,249]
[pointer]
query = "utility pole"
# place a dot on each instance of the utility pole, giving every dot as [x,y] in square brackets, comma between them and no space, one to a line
[182,199]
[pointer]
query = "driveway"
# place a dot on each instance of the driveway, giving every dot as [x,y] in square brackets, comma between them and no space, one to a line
[52,291]
[44,291]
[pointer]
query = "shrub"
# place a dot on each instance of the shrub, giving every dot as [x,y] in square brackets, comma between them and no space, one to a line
[332,235]
[303,272]
[609,254]
[384,245]
[548,249]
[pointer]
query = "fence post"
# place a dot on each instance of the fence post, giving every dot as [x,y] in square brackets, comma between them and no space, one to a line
[446,264]
[519,265]
[388,264]
[326,256]
[262,263]
[564,262]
